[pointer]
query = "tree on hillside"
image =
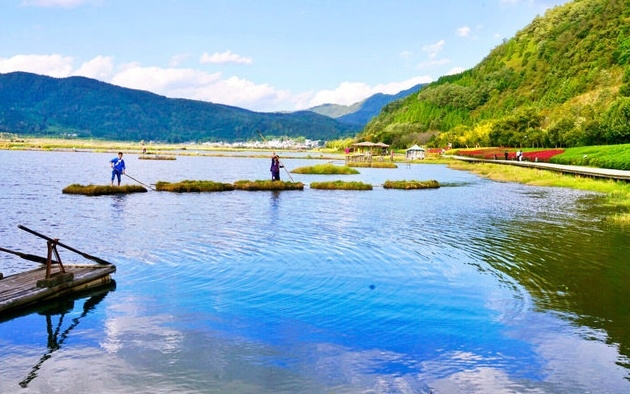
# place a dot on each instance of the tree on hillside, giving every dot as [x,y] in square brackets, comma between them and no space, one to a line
[561,81]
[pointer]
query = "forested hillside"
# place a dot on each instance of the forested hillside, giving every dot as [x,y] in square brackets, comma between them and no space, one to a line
[36,105]
[562,81]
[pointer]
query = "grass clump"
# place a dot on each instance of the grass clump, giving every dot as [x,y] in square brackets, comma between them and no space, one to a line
[156,157]
[101,190]
[326,169]
[341,185]
[267,185]
[191,186]
[374,164]
[409,185]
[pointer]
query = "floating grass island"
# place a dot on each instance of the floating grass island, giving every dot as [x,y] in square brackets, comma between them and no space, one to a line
[431,184]
[193,186]
[374,164]
[341,185]
[101,190]
[156,157]
[326,169]
[268,185]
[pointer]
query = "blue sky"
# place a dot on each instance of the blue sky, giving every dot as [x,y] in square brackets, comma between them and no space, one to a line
[263,55]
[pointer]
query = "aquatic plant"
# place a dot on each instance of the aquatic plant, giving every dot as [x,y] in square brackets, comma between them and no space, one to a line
[100,190]
[156,157]
[374,164]
[617,192]
[267,185]
[431,184]
[326,169]
[193,186]
[341,185]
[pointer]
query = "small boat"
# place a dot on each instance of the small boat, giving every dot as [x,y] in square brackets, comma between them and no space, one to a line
[53,279]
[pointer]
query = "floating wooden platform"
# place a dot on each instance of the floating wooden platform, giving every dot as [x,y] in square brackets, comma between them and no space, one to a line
[22,289]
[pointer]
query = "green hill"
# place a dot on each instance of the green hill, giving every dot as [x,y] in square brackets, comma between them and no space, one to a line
[41,106]
[562,81]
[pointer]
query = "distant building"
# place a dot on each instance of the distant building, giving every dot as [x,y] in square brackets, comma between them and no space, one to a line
[415,153]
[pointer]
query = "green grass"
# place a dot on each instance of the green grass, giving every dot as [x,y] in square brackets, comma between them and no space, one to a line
[193,186]
[326,169]
[340,185]
[267,185]
[617,192]
[156,157]
[604,156]
[374,164]
[100,190]
[408,185]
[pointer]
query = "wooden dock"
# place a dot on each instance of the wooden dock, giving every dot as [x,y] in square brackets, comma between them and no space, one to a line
[22,289]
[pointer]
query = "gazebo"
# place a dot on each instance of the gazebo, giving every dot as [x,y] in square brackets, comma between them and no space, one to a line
[365,150]
[415,153]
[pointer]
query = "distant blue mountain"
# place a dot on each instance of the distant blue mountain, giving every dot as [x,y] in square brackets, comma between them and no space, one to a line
[360,113]
[37,105]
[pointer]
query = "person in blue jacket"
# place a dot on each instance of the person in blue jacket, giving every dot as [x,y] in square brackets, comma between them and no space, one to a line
[118,167]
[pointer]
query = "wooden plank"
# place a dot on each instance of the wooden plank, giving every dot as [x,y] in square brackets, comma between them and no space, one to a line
[21,289]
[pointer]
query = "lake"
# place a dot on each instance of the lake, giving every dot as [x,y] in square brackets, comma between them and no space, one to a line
[475,287]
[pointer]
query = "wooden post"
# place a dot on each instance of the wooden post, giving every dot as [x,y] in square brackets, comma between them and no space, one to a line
[60,277]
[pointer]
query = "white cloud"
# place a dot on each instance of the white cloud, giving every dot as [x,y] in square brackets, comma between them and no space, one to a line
[200,85]
[463,31]
[349,93]
[224,57]
[101,68]
[433,49]
[194,84]
[52,65]
[171,82]
[455,70]
[178,59]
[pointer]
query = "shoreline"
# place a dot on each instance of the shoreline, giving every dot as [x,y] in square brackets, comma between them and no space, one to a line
[617,192]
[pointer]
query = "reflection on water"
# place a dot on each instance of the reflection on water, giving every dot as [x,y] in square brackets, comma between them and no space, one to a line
[59,331]
[476,287]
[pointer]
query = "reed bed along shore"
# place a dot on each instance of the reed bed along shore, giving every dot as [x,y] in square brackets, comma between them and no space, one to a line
[617,193]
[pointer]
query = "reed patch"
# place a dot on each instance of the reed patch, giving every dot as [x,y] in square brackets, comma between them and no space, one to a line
[100,190]
[193,186]
[340,185]
[413,184]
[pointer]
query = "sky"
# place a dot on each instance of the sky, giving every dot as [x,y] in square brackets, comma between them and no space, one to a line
[261,55]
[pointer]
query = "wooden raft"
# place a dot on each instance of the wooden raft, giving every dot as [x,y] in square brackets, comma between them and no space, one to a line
[22,289]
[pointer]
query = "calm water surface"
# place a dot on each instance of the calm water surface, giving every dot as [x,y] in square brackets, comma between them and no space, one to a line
[477,287]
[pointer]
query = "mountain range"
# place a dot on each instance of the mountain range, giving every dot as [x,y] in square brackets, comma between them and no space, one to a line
[562,81]
[78,107]
[360,113]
